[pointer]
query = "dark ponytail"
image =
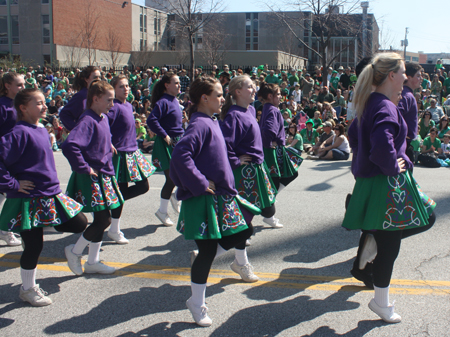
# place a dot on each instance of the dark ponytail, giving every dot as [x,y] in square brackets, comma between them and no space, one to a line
[81,78]
[160,87]
[266,89]
[201,86]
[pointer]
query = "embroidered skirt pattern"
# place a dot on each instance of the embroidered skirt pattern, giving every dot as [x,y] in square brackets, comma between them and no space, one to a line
[132,166]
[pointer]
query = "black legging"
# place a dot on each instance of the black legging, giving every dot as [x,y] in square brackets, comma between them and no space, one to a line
[168,187]
[102,220]
[207,251]
[285,181]
[388,247]
[268,212]
[33,239]
[129,192]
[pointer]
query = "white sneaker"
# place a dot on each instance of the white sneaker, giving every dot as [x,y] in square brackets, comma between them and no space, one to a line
[273,222]
[248,243]
[10,238]
[98,268]
[164,218]
[35,296]
[200,314]
[246,271]
[118,238]
[73,260]
[386,314]
[194,254]
[176,204]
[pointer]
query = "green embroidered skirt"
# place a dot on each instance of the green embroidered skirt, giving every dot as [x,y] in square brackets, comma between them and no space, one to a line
[132,166]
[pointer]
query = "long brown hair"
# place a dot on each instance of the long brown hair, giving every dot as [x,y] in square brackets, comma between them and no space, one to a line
[7,78]
[201,86]
[160,87]
[235,84]
[81,78]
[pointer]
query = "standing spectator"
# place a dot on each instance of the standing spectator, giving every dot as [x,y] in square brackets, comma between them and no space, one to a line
[339,103]
[184,80]
[307,85]
[344,80]
[293,79]
[272,78]
[325,96]
[436,86]
[334,82]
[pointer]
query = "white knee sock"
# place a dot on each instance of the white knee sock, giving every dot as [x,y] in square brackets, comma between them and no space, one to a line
[198,294]
[382,296]
[28,278]
[241,256]
[115,226]
[164,205]
[80,245]
[220,251]
[281,188]
[94,252]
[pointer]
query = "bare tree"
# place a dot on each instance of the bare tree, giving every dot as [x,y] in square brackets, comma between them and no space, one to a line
[325,20]
[72,50]
[113,45]
[89,29]
[289,45]
[215,42]
[141,58]
[189,17]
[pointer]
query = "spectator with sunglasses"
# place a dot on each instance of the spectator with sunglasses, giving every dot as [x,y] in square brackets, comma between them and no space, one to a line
[426,123]
[443,127]
[336,147]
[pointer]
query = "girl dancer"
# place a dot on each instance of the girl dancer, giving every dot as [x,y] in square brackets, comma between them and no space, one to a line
[93,183]
[209,212]
[129,163]
[28,176]
[382,172]
[11,83]
[245,152]
[71,113]
[166,121]
[283,165]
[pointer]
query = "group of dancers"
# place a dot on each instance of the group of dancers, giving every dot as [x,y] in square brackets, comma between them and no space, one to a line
[226,170]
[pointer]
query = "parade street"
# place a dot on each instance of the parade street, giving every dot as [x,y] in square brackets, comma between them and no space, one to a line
[305,286]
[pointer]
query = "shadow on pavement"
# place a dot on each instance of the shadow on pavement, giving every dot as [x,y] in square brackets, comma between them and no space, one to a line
[272,319]
[362,328]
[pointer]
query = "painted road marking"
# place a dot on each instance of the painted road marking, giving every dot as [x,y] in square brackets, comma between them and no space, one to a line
[274,280]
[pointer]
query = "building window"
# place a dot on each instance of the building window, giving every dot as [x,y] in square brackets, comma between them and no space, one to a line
[45,1]
[172,43]
[247,46]
[255,46]
[15,29]
[47,59]
[145,23]
[11,2]
[141,22]
[3,30]
[45,29]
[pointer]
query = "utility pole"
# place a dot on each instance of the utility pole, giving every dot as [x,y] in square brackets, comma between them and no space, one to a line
[405,43]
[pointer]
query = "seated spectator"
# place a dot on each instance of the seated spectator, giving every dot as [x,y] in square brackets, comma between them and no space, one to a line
[52,137]
[328,112]
[416,143]
[58,130]
[140,132]
[425,123]
[149,141]
[325,96]
[297,94]
[285,109]
[443,127]
[59,90]
[311,108]
[327,133]
[339,103]
[336,147]
[294,139]
[309,135]
[334,82]
[291,104]
[284,91]
[432,144]
[436,111]
[436,86]
[445,147]
[317,121]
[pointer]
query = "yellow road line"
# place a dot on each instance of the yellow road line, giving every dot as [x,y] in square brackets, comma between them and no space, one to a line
[274,280]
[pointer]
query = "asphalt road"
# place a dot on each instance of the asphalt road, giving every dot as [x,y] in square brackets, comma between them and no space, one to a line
[305,287]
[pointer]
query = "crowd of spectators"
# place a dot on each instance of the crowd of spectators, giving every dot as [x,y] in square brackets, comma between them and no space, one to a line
[316,112]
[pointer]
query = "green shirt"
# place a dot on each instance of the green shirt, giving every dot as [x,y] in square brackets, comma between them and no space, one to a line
[292,79]
[272,79]
[447,86]
[286,110]
[29,83]
[141,130]
[299,144]
[427,143]
[416,143]
[334,82]
[309,137]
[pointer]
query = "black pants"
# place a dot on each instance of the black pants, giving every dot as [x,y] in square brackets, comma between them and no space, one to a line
[388,247]
[284,181]
[268,212]
[33,239]
[129,192]
[94,232]
[207,251]
[168,187]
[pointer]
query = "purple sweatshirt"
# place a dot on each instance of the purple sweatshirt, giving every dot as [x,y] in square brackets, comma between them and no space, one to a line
[272,126]
[25,154]
[89,145]
[71,113]
[242,135]
[8,115]
[379,140]
[199,156]
[408,108]
[165,118]
[123,130]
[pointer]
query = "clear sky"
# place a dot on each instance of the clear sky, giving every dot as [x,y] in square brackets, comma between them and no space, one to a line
[428,21]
